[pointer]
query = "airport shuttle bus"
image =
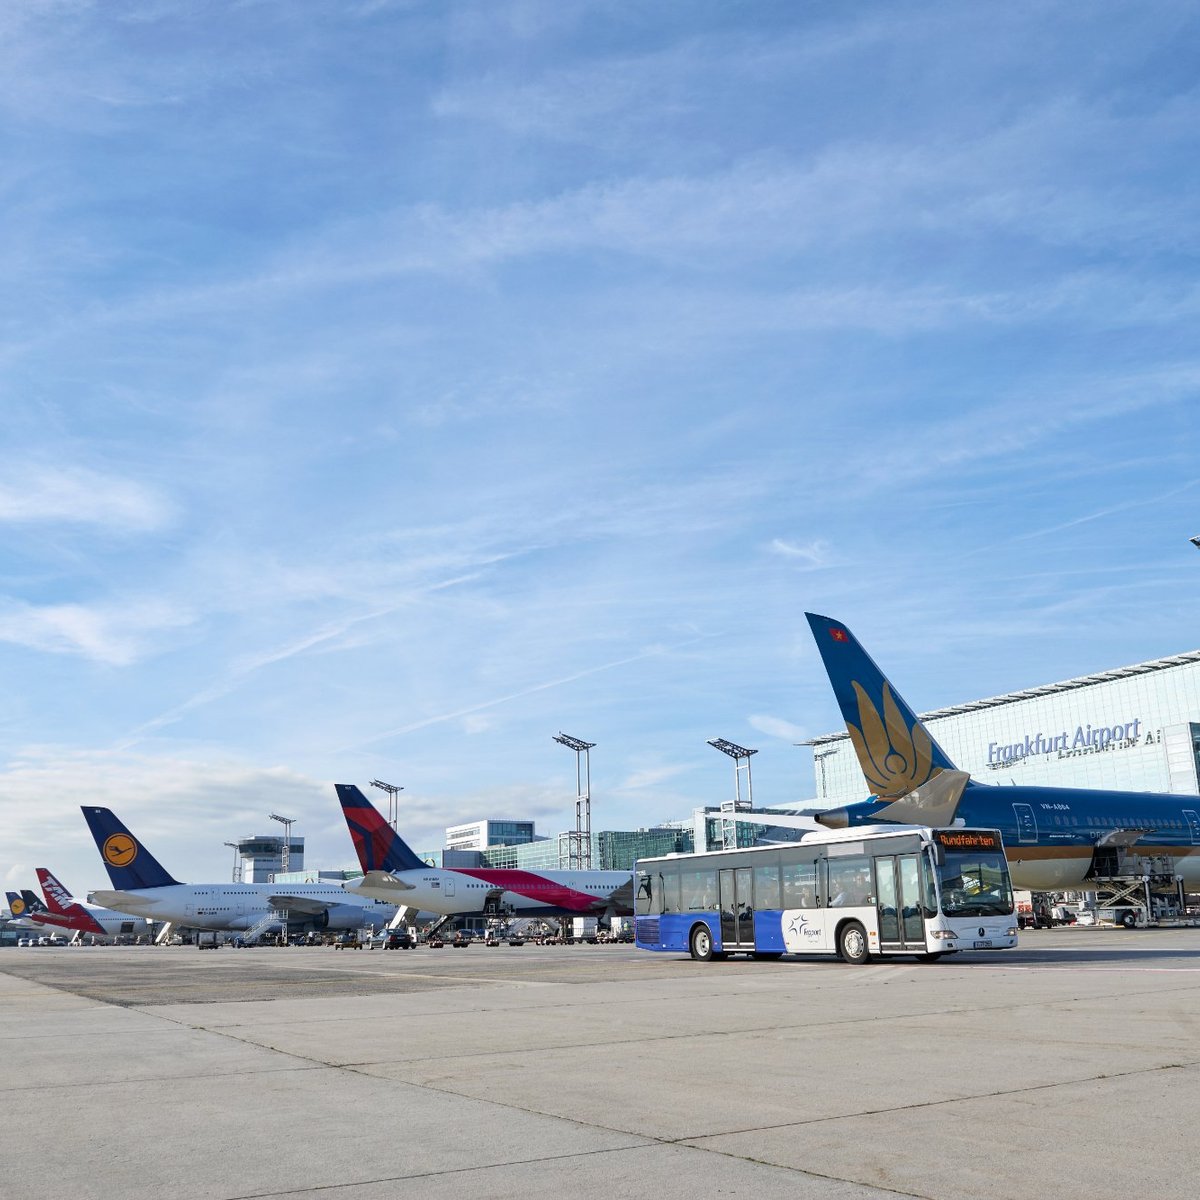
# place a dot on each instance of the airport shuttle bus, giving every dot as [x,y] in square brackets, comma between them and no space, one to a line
[871,891]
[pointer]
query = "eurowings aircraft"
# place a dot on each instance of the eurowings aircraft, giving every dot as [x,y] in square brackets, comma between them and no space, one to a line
[1055,837]
[143,887]
[392,871]
[63,910]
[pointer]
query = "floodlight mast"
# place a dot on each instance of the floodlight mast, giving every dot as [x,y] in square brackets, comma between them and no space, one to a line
[237,862]
[393,792]
[285,855]
[730,808]
[579,841]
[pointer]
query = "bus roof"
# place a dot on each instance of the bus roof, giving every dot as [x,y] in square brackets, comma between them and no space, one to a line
[823,837]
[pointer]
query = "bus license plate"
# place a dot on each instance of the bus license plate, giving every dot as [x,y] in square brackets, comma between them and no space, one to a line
[983,945]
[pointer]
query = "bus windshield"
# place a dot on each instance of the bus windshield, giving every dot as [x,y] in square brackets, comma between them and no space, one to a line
[975,884]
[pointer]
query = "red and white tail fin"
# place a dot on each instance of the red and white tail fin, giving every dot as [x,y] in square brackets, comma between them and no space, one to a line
[58,899]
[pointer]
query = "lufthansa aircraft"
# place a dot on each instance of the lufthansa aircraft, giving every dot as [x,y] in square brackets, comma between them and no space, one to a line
[1054,837]
[142,886]
[392,871]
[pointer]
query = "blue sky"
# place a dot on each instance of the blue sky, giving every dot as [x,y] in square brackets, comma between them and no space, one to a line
[389,386]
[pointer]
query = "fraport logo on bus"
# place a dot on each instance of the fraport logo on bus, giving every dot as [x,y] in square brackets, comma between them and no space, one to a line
[1087,739]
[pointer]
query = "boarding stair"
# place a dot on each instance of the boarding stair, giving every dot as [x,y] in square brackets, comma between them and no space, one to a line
[255,932]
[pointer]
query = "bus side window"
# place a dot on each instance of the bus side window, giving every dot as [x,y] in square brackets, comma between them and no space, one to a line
[669,889]
[800,885]
[766,887]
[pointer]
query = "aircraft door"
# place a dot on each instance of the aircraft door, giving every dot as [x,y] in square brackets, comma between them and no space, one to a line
[1027,830]
[1193,820]
[448,886]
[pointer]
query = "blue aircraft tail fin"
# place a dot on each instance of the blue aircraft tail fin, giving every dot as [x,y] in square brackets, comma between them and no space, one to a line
[129,864]
[33,903]
[896,752]
[19,907]
[378,845]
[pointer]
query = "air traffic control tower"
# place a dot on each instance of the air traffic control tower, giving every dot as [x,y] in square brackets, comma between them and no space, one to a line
[261,857]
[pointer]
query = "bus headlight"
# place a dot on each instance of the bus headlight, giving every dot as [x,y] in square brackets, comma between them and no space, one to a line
[942,933]
[1010,933]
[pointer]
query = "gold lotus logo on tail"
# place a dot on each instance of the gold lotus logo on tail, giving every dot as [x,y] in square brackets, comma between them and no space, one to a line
[894,758]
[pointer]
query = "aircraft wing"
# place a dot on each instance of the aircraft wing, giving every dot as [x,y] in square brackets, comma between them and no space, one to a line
[301,904]
[1125,837]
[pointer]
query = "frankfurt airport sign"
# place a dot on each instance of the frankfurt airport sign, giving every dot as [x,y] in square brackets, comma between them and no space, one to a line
[1087,739]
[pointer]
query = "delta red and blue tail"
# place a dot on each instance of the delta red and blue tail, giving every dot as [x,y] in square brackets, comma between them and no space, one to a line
[378,846]
[896,752]
[129,864]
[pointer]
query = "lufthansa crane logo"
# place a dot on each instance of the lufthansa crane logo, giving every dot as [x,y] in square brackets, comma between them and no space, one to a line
[120,850]
[17,907]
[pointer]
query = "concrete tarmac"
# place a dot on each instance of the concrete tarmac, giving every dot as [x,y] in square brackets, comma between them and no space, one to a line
[1068,1068]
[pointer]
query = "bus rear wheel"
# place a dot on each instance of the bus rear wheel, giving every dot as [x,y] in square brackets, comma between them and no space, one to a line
[701,944]
[852,943]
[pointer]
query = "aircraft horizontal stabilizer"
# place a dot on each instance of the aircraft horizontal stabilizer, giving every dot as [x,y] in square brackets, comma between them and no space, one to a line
[382,879]
[933,803]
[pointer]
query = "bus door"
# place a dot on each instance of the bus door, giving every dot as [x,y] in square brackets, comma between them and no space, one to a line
[898,901]
[737,907]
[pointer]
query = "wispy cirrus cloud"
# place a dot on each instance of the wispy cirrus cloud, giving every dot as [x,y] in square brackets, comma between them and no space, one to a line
[812,554]
[114,634]
[81,496]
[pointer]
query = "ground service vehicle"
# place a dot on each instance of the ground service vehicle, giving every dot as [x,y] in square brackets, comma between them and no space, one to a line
[878,890]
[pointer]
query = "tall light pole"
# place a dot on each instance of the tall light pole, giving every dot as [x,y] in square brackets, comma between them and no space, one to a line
[237,863]
[730,809]
[286,854]
[819,758]
[393,792]
[579,842]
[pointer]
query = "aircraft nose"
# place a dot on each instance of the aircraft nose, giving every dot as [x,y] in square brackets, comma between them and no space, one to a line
[833,818]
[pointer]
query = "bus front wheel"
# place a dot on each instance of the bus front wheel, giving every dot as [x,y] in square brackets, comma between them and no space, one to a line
[852,943]
[702,944]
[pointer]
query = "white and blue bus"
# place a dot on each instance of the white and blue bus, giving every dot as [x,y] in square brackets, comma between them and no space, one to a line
[855,893]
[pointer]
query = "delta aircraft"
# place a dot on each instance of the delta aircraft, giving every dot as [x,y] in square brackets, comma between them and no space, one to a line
[1054,837]
[66,914]
[144,887]
[392,871]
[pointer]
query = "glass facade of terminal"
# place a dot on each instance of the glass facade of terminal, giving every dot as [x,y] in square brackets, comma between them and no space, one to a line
[1137,729]
[612,850]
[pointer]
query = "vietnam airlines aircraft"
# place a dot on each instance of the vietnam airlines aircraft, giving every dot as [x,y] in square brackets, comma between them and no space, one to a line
[392,871]
[64,910]
[1054,837]
[143,887]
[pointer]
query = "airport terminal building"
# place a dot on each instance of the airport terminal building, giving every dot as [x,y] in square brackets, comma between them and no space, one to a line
[1133,728]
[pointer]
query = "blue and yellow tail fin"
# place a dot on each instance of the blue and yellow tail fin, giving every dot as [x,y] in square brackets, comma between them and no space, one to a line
[129,864]
[896,752]
[16,905]
[378,846]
